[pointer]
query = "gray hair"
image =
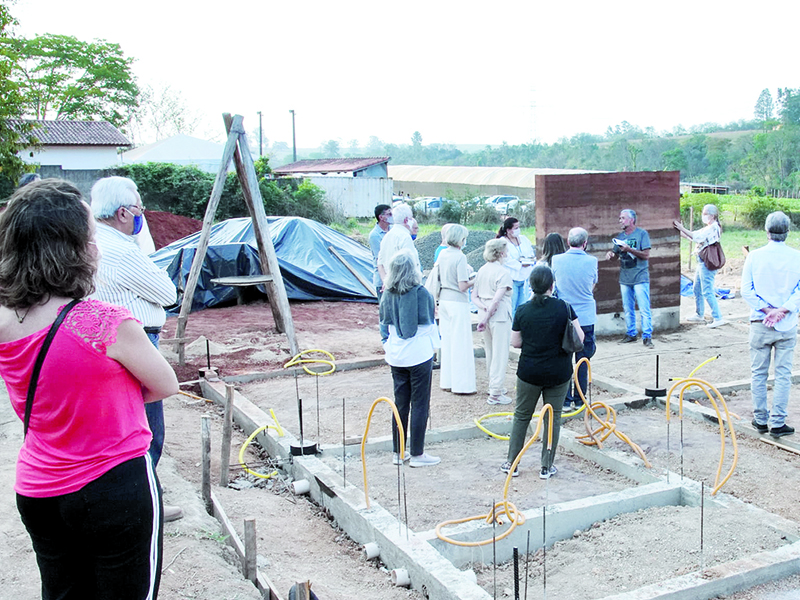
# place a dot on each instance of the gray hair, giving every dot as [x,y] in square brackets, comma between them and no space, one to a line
[456,235]
[401,212]
[445,227]
[403,273]
[631,213]
[577,237]
[110,194]
[712,210]
[494,250]
[777,226]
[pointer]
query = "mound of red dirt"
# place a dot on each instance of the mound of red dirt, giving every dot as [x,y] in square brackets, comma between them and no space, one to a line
[166,227]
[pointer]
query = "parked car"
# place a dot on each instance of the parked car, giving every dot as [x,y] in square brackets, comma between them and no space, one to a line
[431,204]
[501,202]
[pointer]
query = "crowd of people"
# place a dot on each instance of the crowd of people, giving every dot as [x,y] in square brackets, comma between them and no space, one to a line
[527,302]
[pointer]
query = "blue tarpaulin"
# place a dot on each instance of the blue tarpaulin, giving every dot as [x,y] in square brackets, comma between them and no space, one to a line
[310,271]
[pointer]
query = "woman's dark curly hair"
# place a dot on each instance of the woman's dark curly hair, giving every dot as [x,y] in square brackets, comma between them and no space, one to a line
[44,245]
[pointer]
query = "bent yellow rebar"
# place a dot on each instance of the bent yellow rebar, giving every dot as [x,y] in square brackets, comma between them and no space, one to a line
[297,360]
[708,388]
[606,426]
[401,434]
[247,443]
[504,507]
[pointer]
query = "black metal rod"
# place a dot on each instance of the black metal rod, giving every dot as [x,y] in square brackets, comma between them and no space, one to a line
[317,378]
[702,523]
[344,451]
[208,354]
[527,557]
[494,549]
[516,573]
[544,550]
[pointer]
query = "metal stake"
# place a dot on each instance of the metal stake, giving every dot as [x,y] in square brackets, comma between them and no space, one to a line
[702,519]
[527,557]
[317,378]
[544,552]
[516,573]
[494,548]
[344,451]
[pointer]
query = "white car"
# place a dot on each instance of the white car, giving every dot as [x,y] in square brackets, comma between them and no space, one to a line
[501,203]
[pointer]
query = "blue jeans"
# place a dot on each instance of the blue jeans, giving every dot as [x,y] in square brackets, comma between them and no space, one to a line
[640,295]
[762,340]
[155,418]
[589,348]
[412,393]
[517,296]
[704,289]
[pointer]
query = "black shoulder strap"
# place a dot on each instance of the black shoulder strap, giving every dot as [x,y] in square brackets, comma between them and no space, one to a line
[37,367]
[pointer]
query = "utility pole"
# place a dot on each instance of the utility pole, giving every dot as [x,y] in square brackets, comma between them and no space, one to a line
[294,140]
[260,136]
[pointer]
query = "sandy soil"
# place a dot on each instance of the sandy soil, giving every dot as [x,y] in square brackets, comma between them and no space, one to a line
[297,541]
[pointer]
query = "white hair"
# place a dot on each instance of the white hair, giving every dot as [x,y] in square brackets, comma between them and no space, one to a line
[401,212]
[111,193]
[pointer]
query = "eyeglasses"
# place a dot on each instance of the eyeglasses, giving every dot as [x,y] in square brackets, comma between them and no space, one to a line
[130,206]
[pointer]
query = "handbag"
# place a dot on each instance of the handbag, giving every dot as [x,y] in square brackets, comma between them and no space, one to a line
[712,256]
[570,342]
[434,283]
[37,367]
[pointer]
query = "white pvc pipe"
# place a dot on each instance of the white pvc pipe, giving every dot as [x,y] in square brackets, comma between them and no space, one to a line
[301,486]
[470,575]
[400,578]
[371,550]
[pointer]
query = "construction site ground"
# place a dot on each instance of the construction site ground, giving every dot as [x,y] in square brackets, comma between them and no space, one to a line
[298,541]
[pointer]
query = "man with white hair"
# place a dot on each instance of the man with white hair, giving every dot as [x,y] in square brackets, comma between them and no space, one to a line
[576,277]
[398,238]
[127,277]
[771,286]
[632,248]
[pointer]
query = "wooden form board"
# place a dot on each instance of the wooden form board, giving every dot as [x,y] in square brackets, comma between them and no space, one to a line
[593,201]
[237,149]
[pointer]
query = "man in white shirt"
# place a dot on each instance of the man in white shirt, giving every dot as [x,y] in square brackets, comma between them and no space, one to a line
[398,238]
[127,277]
[771,286]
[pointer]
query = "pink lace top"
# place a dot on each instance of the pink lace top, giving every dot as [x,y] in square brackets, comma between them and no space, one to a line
[88,414]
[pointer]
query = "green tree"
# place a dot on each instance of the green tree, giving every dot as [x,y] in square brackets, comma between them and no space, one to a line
[63,78]
[13,136]
[674,160]
[416,139]
[764,106]
[789,100]
[330,149]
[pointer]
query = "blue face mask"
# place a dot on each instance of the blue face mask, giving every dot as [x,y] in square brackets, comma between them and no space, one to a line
[138,223]
[414,236]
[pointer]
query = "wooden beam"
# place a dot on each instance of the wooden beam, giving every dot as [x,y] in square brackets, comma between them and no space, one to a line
[205,234]
[250,550]
[227,426]
[781,446]
[205,484]
[361,280]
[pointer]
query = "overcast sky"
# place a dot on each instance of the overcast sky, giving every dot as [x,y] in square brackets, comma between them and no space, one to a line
[457,72]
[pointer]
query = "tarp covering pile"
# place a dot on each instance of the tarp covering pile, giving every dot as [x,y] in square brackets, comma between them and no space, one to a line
[310,271]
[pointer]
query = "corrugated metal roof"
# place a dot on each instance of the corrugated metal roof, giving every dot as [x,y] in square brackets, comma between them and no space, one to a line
[499,176]
[330,165]
[76,133]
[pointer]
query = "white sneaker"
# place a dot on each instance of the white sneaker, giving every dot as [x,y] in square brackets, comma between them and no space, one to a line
[424,460]
[719,323]
[396,457]
[501,399]
[695,318]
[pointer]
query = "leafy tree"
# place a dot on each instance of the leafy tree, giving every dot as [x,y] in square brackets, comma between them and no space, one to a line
[162,113]
[331,149]
[13,136]
[789,100]
[63,78]
[416,139]
[764,106]
[375,146]
[675,160]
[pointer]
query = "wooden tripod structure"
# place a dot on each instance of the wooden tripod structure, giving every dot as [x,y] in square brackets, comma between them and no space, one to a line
[237,149]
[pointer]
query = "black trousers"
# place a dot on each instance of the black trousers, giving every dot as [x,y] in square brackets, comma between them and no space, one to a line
[103,541]
[412,392]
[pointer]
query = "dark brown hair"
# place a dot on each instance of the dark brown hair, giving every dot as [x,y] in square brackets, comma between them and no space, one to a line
[507,226]
[44,245]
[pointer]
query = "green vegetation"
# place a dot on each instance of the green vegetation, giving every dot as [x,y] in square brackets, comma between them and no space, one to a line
[185,190]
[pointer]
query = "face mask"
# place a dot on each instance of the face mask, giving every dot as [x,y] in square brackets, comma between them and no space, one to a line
[413,236]
[138,223]
[515,233]
[707,219]
[390,221]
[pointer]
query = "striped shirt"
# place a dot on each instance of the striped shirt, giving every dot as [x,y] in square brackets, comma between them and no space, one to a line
[127,277]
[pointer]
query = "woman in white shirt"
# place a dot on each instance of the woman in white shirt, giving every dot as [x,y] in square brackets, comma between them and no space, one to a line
[457,371]
[407,309]
[704,278]
[492,296]
[519,261]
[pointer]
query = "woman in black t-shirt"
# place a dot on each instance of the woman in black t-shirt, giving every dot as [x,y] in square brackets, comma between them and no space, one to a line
[544,367]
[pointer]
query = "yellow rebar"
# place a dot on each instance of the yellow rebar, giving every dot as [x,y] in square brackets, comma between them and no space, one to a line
[297,360]
[707,388]
[515,517]
[400,433]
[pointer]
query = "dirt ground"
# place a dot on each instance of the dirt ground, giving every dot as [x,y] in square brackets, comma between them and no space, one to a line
[297,541]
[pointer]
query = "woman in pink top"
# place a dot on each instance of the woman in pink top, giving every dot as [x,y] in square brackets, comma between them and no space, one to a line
[86,489]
